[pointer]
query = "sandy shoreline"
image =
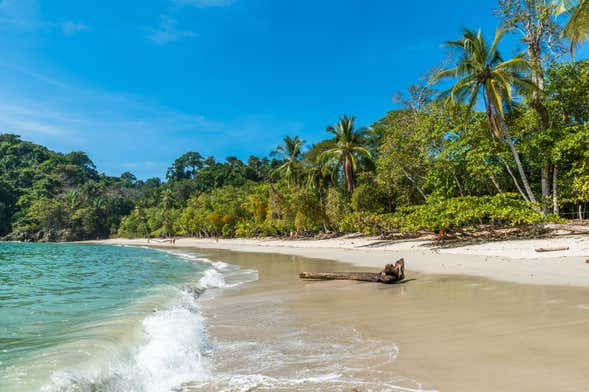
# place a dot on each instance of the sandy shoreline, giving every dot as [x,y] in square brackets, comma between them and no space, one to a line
[435,333]
[513,261]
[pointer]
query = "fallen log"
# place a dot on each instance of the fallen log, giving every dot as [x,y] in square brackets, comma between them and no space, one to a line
[555,249]
[392,273]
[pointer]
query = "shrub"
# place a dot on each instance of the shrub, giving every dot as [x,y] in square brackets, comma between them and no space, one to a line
[369,198]
[447,214]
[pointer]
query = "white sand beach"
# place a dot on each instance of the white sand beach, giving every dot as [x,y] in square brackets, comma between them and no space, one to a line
[512,260]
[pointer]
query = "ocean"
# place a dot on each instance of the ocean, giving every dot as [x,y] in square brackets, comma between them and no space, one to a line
[105,318]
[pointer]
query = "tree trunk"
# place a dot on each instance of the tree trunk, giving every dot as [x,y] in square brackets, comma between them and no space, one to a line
[392,273]
[515,181]
[495,182]
[360,276]
[518,162]
[349,174]
[495,116]
[555,209]
[545,187]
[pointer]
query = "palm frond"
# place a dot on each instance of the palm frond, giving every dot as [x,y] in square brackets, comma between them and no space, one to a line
[577,29]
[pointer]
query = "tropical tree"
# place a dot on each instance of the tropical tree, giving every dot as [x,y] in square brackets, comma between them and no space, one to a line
[291,152]
[350,145]
[577,28]
[536,22]
[185,167]
[481,73]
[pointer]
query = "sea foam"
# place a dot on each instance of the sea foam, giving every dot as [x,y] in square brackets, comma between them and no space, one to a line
[173,352]
[174,347]
[211,279]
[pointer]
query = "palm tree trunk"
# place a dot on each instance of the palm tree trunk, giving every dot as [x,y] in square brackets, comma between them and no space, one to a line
[515,181]
[492,118]
[349,174]
[496,115]
[518,162]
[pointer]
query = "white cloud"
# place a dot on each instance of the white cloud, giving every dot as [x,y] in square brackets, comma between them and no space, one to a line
[71,28]
[168,32]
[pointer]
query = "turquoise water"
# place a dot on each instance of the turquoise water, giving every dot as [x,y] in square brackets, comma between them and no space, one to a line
[100,318]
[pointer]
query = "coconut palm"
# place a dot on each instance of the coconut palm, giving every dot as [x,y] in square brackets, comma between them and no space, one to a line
[577,29]
[481,73]
[350,145]
[291,152]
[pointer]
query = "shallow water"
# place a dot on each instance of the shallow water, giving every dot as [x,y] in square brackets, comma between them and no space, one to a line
[102,318]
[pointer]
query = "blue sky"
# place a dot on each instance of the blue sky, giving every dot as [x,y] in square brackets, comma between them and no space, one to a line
[137,83]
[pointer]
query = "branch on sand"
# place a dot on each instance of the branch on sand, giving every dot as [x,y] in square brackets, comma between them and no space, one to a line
[392,273]
[555,249]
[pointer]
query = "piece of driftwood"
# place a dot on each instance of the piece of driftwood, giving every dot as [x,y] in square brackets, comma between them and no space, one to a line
[392,273]
[555,249]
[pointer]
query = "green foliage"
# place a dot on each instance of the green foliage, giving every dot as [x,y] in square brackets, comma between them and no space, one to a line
[337,206]
[307,209]
[47,196]
[349,148]
[577,28]
[467,212]
[370,198]
[440,215]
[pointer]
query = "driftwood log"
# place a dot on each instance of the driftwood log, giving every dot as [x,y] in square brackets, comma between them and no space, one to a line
[392,273]
[555,249]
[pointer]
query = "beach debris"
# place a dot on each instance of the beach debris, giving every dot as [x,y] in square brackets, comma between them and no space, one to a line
[555,249]
[392,273]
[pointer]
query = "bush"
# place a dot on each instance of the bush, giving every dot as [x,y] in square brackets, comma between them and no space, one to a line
[336,206]
[468,211]
[445,215]
[369,198]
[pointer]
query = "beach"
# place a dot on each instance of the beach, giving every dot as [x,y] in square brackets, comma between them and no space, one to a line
[511,261]
[488,317]
[433,333]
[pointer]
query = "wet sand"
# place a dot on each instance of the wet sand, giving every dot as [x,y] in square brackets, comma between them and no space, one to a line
[435,332]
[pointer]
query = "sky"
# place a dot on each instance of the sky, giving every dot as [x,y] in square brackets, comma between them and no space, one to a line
[137,83]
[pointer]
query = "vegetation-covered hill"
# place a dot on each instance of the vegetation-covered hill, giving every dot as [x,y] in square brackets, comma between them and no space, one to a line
[507,143]
[49,196]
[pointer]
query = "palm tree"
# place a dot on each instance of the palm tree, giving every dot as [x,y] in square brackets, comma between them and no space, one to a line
[291,152]
[482,73]
[350,146]
[577,29]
